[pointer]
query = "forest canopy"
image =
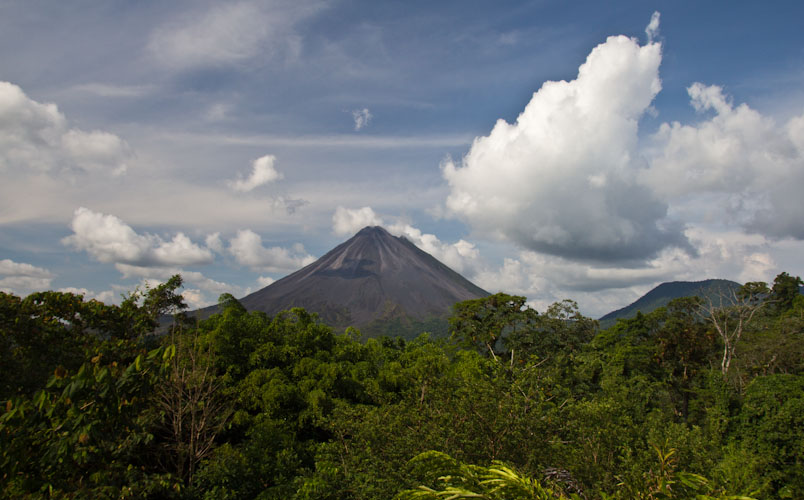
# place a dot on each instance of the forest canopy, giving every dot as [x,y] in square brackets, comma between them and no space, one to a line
[694,400]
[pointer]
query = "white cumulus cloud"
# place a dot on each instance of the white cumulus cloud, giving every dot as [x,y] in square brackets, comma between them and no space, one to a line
[743,162]
[180,251]
[262,172]
[264,281]
[35,138]
[107,296]
[460,256]
[108,239]
[95,150]
[21,278]
[248,250]
[214,242]
[348,221]
[569,183]
[562,179]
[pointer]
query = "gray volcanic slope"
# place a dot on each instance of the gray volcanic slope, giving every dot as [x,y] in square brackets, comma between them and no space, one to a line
[372,277]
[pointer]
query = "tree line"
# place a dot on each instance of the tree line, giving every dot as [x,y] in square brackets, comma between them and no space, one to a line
[699,399]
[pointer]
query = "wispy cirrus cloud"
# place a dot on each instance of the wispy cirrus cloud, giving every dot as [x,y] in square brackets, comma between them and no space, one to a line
[230,33]
[115,91]
[340,141]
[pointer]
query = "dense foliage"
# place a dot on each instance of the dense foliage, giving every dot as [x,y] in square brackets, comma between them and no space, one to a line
[515,404]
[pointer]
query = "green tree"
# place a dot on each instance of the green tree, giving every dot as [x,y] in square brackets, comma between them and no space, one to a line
[771,425]
[684,346]
[480,323]
[561,330]
[88,433]
[785,290]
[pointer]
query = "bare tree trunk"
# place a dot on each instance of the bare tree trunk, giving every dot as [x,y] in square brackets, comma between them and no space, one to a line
[194,409]
[731,316]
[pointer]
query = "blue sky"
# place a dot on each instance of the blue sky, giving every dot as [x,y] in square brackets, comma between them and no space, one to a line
[585,150]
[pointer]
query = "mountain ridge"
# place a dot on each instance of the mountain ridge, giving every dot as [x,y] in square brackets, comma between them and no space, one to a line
[663,293]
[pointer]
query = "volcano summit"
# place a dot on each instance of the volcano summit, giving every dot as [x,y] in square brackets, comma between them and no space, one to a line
[379,283]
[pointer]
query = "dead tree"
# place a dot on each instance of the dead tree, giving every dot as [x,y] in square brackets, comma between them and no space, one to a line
[193,407]
[730,314]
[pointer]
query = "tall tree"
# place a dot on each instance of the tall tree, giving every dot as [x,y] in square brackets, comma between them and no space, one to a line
[561,329]
[684,343]
[480,323]
[731,315]
[785,290]
[192,403]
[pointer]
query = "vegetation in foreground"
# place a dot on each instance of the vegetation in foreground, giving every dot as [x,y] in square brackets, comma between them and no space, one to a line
[694,400]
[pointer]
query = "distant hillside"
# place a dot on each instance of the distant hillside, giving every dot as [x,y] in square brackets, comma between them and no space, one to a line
[664,293]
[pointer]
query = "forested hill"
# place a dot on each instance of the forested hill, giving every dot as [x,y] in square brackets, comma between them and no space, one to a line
[688,401]
[664,293]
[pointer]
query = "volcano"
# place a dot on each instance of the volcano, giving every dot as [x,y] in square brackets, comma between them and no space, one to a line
[376,282]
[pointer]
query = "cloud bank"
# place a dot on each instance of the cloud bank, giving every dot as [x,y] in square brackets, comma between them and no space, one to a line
[570,179]
[154,259]
[592,209]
